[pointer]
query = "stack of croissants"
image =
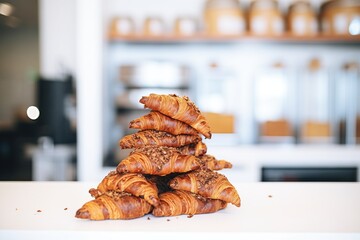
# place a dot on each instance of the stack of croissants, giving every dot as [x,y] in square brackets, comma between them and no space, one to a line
[168,172]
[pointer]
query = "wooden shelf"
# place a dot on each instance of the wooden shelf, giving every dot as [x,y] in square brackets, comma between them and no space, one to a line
[284,38]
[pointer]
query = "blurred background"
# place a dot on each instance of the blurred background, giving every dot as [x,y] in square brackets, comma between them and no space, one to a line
[279,82]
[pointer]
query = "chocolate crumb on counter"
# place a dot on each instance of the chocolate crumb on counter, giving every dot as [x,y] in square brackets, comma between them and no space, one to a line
[65,208]
[168,220]
[39,210]
[148,218]
[190,216]
[269,196]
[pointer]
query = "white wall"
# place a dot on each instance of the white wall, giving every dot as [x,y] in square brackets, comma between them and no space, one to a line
[57,37]
[89,52]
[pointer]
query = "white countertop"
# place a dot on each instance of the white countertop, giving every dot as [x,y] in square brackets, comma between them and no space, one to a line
[279,210]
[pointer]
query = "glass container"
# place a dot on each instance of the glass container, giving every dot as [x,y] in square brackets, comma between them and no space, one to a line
[154,26]
[122,26]
[348,104]
[302,19]
[340,17]
[273,105]
[265,18]
[185,26]
[223,17]
[316,108]
[216,98]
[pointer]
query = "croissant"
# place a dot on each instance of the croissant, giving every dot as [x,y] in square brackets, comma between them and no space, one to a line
[121,206]
[180,108]
[181,202]
[160,122]
[157,161]
[208,184]
[210,162]
[133,183]
[152,137]
[196,149]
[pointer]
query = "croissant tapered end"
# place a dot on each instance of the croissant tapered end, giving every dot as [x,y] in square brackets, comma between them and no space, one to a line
[143,99]
[226,164]
[123,168]
[94,192]
[196,149]
[114,205]
[210,162]
[135,124]
[82,213]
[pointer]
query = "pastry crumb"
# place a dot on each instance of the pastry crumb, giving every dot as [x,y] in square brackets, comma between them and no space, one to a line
[39,210]
[190,216]
[148,218]
[269,196]
[65,208]
[16,209]
[168,220]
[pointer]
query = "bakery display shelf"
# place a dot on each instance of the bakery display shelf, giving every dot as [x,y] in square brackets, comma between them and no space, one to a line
[284,38]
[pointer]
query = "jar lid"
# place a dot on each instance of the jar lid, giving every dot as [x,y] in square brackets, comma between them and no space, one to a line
[314,64]
[351,66]
[339,3]
[264,4]
[216,4]
[300,6]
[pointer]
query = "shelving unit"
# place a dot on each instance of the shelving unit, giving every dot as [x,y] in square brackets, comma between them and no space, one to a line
[284,38]
[232,45]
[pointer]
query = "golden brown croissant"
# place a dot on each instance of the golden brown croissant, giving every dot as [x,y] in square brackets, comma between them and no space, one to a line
[152,137]
[208,184]
[181,202]
[196,149]
[180,108]
[118,206]
[157,161]
[134,183]
[160,122]
[210,162]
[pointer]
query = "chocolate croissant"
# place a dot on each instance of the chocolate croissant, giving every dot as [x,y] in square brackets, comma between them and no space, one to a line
[156,138]
[210,162]
[160,122]
[208,184]
[181,202]
[157,161]
[120,206]
[133,183]
[180,108]
[196,149]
